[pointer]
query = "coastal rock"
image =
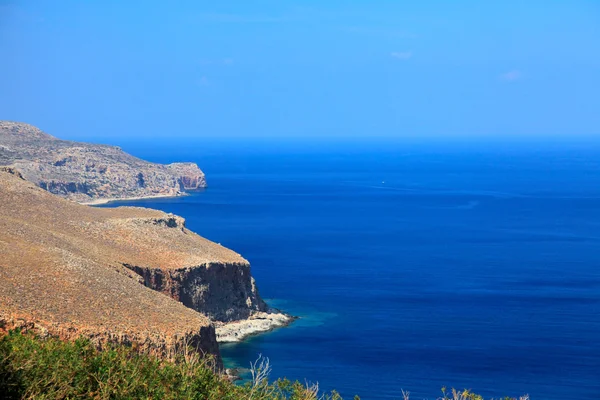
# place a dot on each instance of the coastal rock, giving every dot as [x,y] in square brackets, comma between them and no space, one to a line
[257,323]
[190,176]
[223,291]
[90,172]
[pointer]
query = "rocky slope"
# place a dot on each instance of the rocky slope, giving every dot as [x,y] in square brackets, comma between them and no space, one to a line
[126,274]
[90,172]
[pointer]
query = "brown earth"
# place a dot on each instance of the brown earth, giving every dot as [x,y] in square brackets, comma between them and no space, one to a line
[68,269]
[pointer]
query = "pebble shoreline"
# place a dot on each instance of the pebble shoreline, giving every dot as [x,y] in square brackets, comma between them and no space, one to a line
[259,322]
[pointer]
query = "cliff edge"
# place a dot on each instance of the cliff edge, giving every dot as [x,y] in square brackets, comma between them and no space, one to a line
[86,172]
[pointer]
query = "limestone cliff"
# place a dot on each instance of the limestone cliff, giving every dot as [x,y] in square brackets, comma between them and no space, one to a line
[88,172]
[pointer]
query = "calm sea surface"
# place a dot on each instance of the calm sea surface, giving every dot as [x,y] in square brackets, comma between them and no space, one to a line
[413,267]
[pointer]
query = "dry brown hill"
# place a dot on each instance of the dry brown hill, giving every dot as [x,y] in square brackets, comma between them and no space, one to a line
[72,269]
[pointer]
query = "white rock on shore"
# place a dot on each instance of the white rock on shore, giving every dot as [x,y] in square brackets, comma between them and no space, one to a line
[259,322]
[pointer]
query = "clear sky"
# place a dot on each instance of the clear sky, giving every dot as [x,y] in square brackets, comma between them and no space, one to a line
[327,68]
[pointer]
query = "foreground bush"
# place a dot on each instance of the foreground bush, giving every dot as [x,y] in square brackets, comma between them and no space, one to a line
[33,368]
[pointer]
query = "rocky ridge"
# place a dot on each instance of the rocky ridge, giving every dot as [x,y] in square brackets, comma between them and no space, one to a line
[86,172]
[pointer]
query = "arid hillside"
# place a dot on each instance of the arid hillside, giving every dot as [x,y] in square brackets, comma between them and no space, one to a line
[87,172]
[70,269]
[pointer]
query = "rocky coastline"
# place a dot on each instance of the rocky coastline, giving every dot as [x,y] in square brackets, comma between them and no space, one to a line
[255,324]
[127,275]
[91,173]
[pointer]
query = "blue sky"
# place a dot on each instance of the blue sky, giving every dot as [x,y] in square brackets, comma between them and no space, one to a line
[311,69]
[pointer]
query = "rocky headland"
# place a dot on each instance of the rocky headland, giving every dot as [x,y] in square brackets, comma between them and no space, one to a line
[90,173]
[116,275]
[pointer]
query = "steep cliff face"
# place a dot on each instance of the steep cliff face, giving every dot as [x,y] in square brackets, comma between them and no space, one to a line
[223,291]
[87,172]
[223,288]
[189,175]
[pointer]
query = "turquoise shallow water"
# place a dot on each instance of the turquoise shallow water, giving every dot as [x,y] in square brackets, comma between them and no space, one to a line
[414,268]
[306,319]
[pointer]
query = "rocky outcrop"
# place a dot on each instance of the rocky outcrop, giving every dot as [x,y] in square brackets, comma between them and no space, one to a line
[189,175]
[223,291]
[12,171]
[90,172]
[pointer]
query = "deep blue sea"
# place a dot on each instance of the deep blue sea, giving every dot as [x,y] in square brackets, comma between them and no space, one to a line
[412,266]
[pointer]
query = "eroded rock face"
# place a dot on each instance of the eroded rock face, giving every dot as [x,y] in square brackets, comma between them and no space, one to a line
[87,172]
[190,176]
[223,291]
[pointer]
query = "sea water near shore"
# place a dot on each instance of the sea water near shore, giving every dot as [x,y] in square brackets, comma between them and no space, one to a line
[412,267]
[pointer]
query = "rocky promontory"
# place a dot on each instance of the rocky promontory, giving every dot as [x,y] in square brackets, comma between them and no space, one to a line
[90,173]
[126,275]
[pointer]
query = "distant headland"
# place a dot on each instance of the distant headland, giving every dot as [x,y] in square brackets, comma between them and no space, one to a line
[90,173]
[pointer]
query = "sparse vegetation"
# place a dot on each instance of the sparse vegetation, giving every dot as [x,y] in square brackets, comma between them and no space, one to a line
[34,368]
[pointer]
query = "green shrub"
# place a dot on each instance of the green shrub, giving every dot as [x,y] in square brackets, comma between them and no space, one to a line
[35,368]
